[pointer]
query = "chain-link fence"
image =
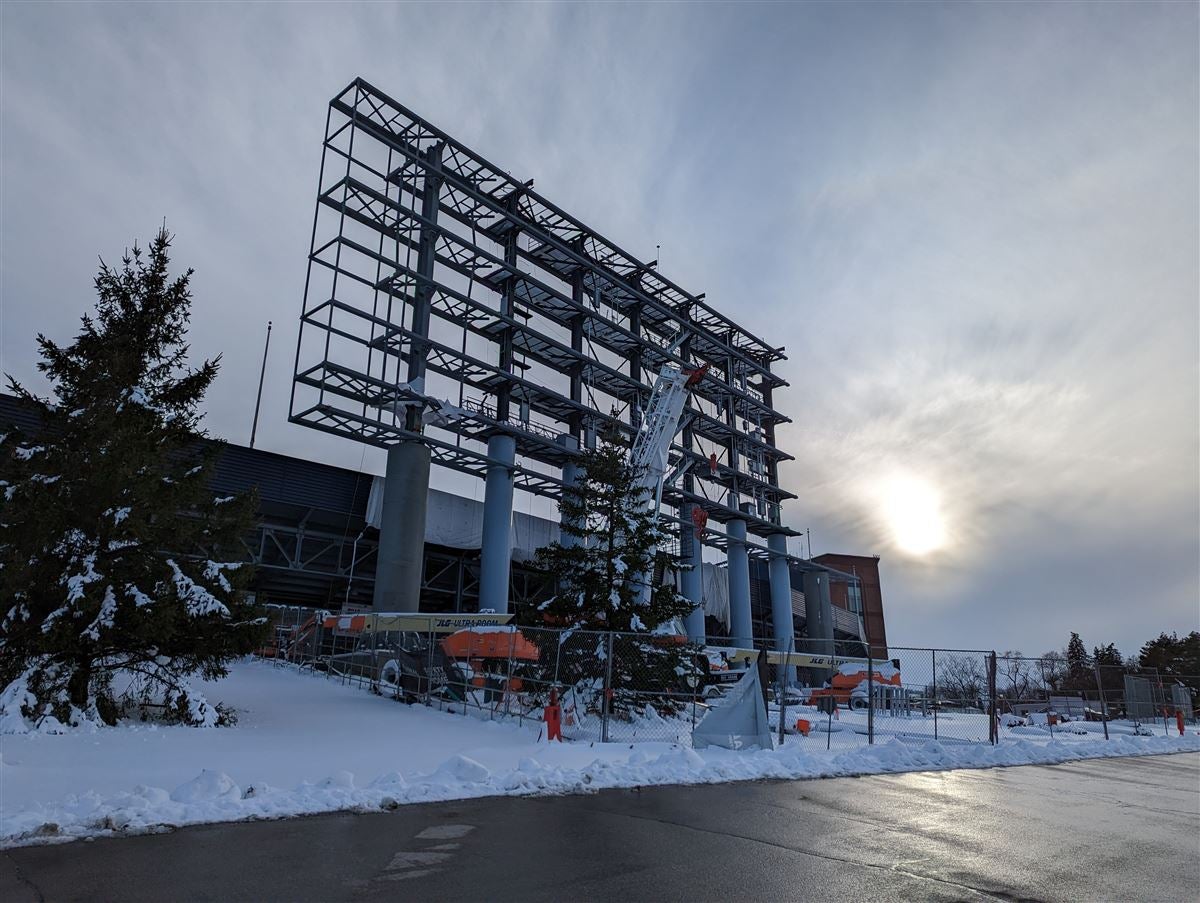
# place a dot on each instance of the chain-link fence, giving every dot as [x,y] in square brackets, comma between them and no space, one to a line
[1055,697]
[629,688]
[913,696]
[609,686]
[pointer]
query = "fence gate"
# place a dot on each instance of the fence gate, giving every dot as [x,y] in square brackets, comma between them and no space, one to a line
[1181,699]
[1139,699]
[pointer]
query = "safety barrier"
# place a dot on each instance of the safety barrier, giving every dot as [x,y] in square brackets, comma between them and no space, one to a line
[602,686]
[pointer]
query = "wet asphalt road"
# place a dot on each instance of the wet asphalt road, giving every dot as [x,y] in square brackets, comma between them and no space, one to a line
[1113,829]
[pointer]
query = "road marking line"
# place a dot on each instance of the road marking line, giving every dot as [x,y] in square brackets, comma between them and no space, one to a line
[445,832]
[409,860]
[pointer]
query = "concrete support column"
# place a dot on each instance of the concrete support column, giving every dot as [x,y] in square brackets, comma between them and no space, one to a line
[741,627]
[495,557]
[571,475]
[818,613]
[781,599]
[401,556]
[692,579]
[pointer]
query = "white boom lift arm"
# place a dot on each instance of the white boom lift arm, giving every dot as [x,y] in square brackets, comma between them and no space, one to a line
[652,445]
[650,455]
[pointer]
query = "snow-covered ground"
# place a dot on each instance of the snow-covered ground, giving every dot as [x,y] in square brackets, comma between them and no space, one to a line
[304,745]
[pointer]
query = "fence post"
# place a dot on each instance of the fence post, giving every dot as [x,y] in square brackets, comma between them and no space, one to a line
[1046,687]
[1162,697]
[470,680]
[993,733]
[559,639]
[936,705]
[429,670]
[870,696]
[607,701]
[319,646]
[780,673]
[349,666]
[1103,701]
[372,682]
[508,675]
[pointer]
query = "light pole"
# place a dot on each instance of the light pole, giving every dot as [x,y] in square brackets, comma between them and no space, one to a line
[261,376]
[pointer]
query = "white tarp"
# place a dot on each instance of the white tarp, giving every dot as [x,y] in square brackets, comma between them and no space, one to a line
[454,521]
[716,592]
[739,721]
[714,584]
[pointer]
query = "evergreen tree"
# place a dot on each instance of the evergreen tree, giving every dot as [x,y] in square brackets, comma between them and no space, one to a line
[1173,655]
[1077,658]
[115,559]
[1111,664]
[1108,656]
[1078,667]
[601,578]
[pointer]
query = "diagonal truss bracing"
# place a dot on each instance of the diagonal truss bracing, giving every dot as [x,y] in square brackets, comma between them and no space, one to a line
[447,302]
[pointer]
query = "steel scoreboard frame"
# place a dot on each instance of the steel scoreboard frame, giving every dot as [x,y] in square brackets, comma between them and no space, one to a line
[446,302]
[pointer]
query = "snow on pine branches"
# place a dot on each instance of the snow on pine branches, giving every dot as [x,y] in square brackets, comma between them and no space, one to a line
[117,566]
[600,579]
[600,576]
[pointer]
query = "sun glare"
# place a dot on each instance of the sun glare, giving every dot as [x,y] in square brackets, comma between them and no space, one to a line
[912,511]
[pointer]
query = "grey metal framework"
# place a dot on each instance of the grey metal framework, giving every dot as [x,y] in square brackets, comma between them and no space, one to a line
[299,564]
[447,302]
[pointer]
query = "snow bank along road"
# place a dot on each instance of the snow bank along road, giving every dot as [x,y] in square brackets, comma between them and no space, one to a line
[1110,829]
[305,745]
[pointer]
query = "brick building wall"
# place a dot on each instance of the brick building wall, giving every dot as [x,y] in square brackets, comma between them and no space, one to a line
[866,568]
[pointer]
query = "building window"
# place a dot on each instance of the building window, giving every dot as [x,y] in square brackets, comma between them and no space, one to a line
[854,598]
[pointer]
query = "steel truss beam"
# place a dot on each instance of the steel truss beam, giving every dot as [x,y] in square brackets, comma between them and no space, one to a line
[543,297]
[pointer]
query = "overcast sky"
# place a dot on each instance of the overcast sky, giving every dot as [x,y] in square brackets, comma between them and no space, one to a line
[974,227]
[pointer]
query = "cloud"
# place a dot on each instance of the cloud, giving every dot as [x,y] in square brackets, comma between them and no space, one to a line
[974,228]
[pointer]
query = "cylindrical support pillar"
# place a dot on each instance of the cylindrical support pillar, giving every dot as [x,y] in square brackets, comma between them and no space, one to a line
[741,628]
[495,557]
[401,555]
[571,475]
[781,599]
[818,614]
[692,577]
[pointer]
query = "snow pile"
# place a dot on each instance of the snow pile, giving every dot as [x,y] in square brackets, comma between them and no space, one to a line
[209,785]
[460,770]
[884,670]
[293,731]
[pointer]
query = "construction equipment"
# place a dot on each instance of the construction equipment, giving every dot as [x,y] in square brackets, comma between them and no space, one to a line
[490,643]
[406,664]
[850,685]
[650,455]
[491,656]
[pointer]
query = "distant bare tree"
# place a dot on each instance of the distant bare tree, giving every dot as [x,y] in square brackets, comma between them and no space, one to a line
[1052,669]
[1015,675]
[961,679]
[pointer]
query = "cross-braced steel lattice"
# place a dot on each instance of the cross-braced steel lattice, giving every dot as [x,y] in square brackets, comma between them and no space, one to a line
[448,302]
